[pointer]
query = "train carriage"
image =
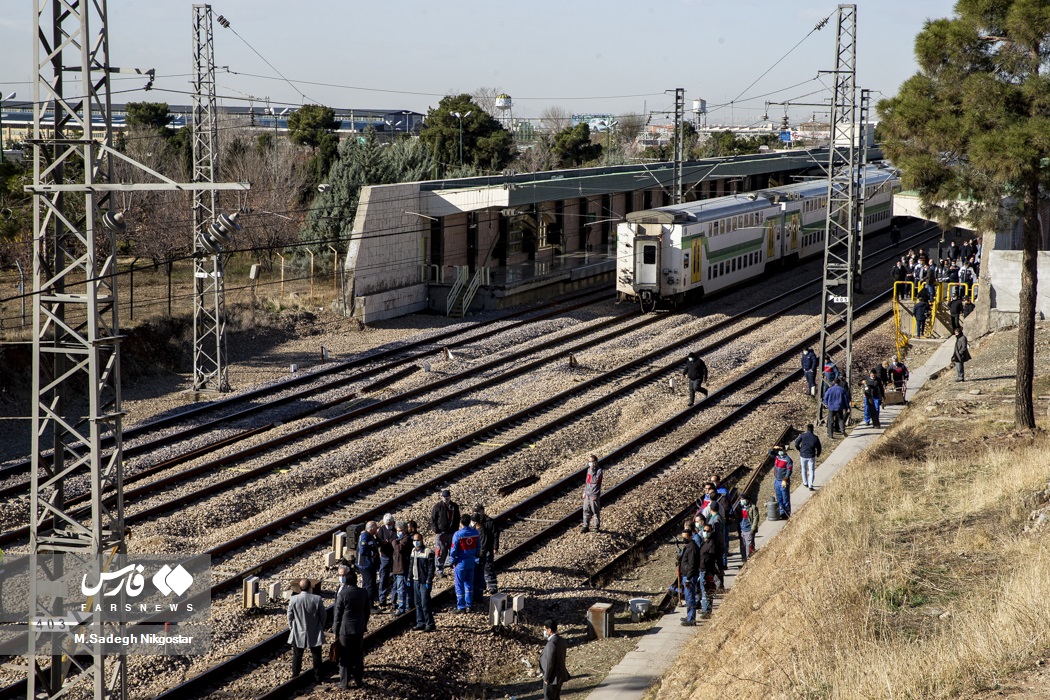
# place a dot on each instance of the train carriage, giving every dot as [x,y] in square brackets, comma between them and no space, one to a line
[708,245]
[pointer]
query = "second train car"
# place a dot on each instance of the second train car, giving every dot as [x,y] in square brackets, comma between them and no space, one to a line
[707,245]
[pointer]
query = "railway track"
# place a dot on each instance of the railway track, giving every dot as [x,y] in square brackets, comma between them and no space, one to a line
[527,533]
[379,503]
[388,360]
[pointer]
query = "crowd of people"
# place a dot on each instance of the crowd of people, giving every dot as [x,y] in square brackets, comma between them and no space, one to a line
[960,265]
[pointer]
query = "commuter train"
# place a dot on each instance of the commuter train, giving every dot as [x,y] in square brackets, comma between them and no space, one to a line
[707,245]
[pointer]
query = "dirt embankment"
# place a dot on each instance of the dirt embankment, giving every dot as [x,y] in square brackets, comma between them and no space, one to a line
[921,571]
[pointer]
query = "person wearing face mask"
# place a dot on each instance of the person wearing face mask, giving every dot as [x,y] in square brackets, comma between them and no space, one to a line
[592,495]
[688,569]
[385,538]
[401,549]
[553,667]
[464,558]
[709,566]
[444,519]
[421,578]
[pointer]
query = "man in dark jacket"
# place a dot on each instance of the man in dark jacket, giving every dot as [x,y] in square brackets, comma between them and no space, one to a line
[350,622]
[961,355]
[871,388]
[922,311]
[444,520]
[421,577]
[368,560]
[401,551]
[809,369]
[955,309]
[709,566]
[485,571]
[809,448]
[553,668]
[385,538]
[696,371]
[836,400]
[688,570]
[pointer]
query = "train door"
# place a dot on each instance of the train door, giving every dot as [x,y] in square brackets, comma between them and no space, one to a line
[646,263]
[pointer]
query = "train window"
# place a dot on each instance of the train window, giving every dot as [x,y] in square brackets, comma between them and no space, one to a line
[649,255]
[710,229]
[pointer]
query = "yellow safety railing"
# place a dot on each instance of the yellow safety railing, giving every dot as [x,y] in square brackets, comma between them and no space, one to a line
[900,289]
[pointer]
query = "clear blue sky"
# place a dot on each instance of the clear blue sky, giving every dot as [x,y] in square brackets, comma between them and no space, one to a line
[608,57]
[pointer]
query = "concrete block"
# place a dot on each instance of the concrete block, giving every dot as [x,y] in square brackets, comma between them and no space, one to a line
[274,591]
[497,605]
[261,599]
[509,618]
[600,620]
[330,559]
[249,587]
[518,602]
[338,544]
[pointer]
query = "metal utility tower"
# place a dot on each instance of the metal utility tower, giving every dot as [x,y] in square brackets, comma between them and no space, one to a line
[679,142]
[76,338]
[862,186]
[841,228]
[209,297]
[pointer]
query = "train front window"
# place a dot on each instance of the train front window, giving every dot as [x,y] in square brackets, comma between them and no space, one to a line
[649,255]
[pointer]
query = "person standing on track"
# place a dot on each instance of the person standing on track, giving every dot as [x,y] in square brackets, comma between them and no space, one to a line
[464,558]
[421,578]
[809,369]
[444,519]
[306,620]
[592,495]
[485,572]
[368,560]
[385,537]
[696,371]
[350,622]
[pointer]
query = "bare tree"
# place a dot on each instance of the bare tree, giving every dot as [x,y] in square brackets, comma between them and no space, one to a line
[271,216]
[554,118]
[538,157]
[485,97]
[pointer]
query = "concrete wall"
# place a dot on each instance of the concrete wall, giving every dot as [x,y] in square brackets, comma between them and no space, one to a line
[385,254]
[1005,276]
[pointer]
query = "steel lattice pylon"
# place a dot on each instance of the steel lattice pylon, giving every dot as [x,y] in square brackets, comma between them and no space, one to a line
[679,142]
[864,113]
[840,242]
[209,298]
[76,340]
[76,331]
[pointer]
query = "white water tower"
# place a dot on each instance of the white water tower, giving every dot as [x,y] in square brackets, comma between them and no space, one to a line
[505,107]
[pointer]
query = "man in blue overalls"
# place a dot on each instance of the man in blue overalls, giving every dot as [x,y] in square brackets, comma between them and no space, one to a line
[465,552]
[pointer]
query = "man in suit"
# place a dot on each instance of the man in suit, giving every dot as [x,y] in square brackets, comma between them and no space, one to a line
[552,662]
[350,622]
[306,618]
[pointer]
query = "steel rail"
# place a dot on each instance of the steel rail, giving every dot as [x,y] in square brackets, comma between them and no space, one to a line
[24,465]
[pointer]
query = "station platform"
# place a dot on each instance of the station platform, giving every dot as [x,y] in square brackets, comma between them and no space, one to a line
[534,280]
[659,648]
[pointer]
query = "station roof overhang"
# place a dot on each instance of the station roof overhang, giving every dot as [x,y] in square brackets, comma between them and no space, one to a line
[909,203]
[448,197]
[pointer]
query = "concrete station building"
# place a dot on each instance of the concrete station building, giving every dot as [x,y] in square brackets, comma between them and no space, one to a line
[452,246]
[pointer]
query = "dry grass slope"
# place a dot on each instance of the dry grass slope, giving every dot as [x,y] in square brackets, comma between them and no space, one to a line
[918,573]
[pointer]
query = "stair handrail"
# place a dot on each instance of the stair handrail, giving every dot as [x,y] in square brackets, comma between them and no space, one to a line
[457,288]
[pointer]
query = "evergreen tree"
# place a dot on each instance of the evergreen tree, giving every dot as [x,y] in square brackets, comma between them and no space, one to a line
[485,143]
[573,147]
[369,162]
[974,124]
